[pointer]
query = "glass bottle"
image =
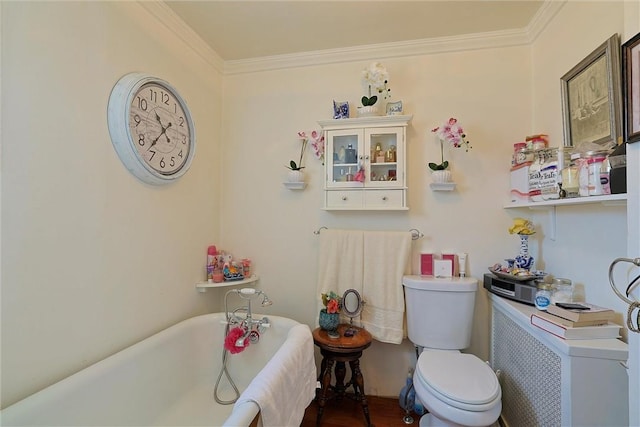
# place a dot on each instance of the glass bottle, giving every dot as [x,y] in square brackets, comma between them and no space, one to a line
[377,154]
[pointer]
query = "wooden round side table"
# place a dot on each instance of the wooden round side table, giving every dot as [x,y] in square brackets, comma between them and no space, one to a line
[337,351]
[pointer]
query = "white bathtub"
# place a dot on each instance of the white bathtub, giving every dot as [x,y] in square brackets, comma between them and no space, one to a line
[168,379]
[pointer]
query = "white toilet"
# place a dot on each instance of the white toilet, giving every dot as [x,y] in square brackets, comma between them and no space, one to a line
[458,389]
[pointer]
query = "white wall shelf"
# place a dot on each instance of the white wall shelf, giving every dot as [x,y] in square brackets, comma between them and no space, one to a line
[443,186]
[610,199]
[551,205]
[295,185]
[203,286]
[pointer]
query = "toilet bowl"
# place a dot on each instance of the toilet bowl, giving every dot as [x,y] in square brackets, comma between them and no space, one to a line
[458,389]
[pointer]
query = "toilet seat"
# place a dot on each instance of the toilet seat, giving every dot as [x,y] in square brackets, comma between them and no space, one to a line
[461,380]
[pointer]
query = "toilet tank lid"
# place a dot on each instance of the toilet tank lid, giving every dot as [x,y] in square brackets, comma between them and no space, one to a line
[445,284]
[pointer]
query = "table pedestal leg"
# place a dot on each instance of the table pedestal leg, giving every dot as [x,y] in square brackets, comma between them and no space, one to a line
[358,387]
[324,392]
[341,372]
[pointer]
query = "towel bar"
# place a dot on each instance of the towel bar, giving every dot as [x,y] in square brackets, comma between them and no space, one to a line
[415,233]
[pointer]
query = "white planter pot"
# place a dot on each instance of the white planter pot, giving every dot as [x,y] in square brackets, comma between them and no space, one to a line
[441,176]
[369,110]
[295,176]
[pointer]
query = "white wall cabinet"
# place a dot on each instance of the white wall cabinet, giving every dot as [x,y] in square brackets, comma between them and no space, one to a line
[365,163]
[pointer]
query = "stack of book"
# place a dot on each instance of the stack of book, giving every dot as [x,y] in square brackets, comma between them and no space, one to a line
[577,321]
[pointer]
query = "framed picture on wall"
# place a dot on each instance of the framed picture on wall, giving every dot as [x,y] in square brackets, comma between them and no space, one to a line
[631,89]
[591,98]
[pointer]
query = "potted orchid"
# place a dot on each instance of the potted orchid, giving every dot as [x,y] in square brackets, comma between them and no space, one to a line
[295,173]
[375,80]
[451,133]
[317,143]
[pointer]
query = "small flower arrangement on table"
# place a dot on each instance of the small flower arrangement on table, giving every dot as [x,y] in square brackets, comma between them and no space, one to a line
[452,133]
[332,302]
[330,315]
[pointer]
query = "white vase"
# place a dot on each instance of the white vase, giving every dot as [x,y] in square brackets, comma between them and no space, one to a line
[441,176]
[295,176]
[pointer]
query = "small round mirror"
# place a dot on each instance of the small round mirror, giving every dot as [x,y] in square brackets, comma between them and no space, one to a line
[351,303]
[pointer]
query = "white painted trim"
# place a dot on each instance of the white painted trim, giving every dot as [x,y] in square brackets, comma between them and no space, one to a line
[379,51]
[167,17]
[545,14]
[488,40]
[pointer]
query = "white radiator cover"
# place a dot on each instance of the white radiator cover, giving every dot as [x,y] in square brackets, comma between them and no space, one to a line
[548,381]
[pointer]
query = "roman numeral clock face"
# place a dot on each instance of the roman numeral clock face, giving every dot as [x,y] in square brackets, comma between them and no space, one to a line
[151,128]
[158,125]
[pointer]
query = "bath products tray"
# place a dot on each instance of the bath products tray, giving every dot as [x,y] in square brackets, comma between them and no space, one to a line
[523,278]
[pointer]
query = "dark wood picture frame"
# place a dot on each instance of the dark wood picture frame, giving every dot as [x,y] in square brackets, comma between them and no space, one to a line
[631,89]
[591,104]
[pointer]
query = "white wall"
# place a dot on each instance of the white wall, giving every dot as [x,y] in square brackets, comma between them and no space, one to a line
[488,90]
[92,259]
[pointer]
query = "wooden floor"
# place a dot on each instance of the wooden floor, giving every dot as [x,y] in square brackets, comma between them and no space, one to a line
[384,412]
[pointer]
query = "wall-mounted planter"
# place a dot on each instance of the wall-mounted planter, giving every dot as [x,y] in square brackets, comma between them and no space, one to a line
[295,185]
[443,186]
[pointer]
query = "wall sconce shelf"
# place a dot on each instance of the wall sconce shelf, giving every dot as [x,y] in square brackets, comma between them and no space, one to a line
[295,185]
[443,186]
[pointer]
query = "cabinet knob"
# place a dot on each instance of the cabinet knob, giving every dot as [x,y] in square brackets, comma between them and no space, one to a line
[384,198]
[344,198]
[366,157]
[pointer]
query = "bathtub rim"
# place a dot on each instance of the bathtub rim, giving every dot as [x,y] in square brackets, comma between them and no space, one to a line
[249,412]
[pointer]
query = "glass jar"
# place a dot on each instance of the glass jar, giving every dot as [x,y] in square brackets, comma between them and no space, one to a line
[543,296]
[562,291]
[570,180]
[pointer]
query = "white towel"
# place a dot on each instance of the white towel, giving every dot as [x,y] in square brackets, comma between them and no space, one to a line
[340,262]
[386,260]
[286,385]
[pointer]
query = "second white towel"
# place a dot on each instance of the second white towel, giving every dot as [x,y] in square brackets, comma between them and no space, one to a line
[387,257]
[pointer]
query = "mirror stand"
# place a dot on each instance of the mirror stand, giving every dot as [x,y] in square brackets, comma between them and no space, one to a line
[351,307]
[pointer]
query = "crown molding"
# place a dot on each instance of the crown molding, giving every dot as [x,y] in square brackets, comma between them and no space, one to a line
[380,51]
[190,38]
[476,41]
[545,14]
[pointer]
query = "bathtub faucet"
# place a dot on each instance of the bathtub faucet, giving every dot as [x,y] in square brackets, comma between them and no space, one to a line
[248,294]
[252,327]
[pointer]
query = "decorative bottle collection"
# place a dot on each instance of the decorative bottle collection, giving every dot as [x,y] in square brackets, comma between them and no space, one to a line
[222,267]
[540,172]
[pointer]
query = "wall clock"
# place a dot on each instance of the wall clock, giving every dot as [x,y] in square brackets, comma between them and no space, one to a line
[151,128]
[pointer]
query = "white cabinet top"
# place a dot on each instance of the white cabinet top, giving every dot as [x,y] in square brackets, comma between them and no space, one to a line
[373,121]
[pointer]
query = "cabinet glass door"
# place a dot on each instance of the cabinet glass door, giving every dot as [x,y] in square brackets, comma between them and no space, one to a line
[344,148]
[385,158]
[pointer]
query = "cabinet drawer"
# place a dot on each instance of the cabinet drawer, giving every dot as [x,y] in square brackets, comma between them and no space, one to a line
[348,199]
[384,199]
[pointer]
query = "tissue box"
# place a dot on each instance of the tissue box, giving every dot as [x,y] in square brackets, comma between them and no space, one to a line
[443,268]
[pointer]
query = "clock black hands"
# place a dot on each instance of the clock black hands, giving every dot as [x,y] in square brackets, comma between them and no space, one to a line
[164,132]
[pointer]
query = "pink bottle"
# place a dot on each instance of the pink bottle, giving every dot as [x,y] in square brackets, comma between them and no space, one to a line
[212,255]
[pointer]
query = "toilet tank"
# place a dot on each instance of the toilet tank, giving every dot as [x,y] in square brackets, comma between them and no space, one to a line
[440,310]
